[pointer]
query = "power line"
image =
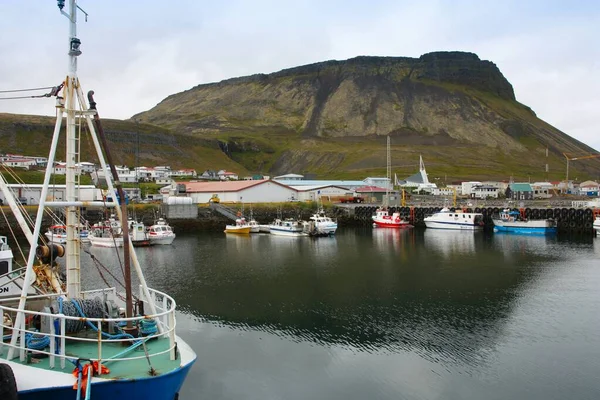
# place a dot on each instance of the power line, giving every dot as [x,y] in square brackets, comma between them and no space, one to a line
[26,90]
[24,97]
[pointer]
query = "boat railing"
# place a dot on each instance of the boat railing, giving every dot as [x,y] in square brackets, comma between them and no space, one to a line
[57,338]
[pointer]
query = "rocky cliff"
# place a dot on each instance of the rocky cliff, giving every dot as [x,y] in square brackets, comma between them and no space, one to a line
[460,112]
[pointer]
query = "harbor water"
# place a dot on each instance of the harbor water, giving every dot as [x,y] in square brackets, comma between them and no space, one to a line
[383,314]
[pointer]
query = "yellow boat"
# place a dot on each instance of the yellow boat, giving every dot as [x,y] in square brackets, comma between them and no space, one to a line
[241,226]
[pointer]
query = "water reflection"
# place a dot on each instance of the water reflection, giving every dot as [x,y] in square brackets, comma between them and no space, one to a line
[392,310]
[449,243]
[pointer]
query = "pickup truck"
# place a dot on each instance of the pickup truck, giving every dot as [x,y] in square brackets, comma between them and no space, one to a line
[352,199]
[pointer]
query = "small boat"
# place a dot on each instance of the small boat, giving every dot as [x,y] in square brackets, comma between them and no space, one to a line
[105,236]
[138,234]
[321,225]
[161,232]
[383,219]
[264,228]
[57,234]
[447,219]
[240,227]
[596,224]
[512,221]
[288,227]
[254,226]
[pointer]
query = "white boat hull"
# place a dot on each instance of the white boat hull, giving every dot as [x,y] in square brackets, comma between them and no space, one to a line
[286,232]
[157,240]
[454,220]
[105,241]
[451,226]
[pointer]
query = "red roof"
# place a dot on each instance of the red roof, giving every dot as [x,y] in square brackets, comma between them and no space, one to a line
[226,186]
[370,189]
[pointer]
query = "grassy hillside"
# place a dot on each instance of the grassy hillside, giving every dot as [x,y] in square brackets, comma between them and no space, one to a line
[130,143]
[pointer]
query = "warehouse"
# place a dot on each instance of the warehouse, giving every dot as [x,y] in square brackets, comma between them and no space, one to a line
[260,191]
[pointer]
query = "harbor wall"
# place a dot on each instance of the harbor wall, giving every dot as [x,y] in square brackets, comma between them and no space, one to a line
[569,219]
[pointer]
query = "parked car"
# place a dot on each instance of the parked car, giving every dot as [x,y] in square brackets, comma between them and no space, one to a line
[22,200]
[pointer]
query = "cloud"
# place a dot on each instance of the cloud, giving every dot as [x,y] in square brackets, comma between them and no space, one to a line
[136,56]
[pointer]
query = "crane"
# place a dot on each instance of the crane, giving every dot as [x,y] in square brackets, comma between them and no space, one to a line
[574,159]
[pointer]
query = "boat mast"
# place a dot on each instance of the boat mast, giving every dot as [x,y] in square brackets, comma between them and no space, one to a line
[388,173]
[72,220]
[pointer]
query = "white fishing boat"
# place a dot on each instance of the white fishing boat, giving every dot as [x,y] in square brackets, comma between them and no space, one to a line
[161,232]
[322,225]
[58,234]
[66,342]
[512,221]
[105,236]
[138,234]
[288,227]
[254,226]
[447,219]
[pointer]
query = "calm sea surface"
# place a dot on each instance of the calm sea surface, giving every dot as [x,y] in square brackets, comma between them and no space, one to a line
[384,314]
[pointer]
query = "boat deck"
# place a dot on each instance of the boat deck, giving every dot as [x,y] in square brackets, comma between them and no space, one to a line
[119,369]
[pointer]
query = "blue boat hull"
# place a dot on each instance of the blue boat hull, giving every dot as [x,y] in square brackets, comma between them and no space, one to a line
[163,387]
[526,230]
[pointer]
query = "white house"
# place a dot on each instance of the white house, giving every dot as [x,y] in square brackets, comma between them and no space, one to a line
[484,191]
[86,167]
[227,176]
[542,190]
[15,162]
[589,188]
[125,175]
[467,187]
[183,173]
[289,177]
[259,191]
[443,191]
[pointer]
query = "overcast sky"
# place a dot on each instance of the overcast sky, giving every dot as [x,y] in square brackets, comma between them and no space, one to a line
[135,53]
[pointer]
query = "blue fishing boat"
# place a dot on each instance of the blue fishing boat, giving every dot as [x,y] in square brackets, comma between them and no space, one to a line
[512,221]
[60,341]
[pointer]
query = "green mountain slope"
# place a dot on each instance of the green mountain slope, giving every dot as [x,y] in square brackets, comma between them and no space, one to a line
[130,143]
[331,118]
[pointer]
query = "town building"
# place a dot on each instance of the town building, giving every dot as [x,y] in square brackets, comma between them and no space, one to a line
[263,191]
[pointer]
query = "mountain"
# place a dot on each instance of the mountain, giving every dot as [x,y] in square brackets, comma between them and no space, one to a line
[331,119]
[132,144]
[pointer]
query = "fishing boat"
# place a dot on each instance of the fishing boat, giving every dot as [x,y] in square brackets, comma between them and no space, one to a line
[241,226]
[58,234]
[139,234]
[254,226]
[288,227]
[383,219]
[72,340]
[321,225]
[448,219]
[512,221]
[161,232]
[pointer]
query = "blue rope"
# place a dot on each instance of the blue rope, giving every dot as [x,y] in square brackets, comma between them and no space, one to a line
[147,327]
[108,335]
[36,342]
